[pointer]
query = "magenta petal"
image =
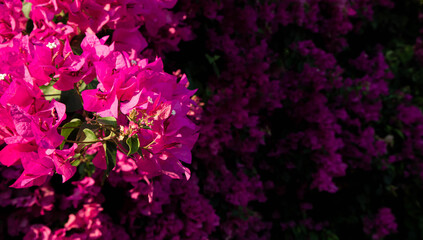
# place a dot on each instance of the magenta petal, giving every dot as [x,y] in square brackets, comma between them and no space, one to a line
[112,111]
[178,122]
[10,154]
[47,140]
[15,139]
[148,167]
[105,104]
[100,158]
[182,153]
[22,121]
[36,170]
[18,93]
[173,168]
[126,107]
[89,42]
[29,180]
[104,74]
[167,3]
[32,163]
[129,40]
[94,100]
[61,111]
[61,160]
[66,81]
[64,169]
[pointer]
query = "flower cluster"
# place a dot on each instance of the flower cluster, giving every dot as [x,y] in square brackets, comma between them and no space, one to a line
[141,108]
[307,117]
[75,105]
[382,225]
[291,106]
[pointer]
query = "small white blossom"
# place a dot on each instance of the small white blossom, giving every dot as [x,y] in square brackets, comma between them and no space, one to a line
[51,45]
[3,76]
[150,100]
[173,113]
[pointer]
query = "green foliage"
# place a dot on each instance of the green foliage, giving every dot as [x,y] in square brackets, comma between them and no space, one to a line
[68,128]
[133,144]
[89,136]
[108,121]
[50,92]
[71,99]
[26,8]
[111,151]
[212,60]
[86,169]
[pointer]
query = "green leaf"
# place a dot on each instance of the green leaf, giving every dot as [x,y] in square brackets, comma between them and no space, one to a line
[71,99]
[313,236]
[50,92]
[86,130]
[140,153]
[400,133]
[29,26]
[212,61]
[93,84]
[26,9]
[331,235]
[82,87]
[111,121]
[145,127]
[68,128]
[111,151]
[133,144]
[89,136]
[86,169]
[76,163]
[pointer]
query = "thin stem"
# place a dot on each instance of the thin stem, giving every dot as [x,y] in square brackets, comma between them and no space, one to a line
[49,95]
[76,87]
[148,145]
[71,141]
[120,148]
[67,127]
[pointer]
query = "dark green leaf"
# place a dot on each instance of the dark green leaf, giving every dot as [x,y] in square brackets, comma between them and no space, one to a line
[86,169]
[145,127]
[133,144]
[111,151]
[68,128]
[111,121]
[29,26]
[71,100]
[93,84]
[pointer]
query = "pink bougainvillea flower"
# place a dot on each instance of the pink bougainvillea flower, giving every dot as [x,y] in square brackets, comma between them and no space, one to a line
[11,153]
[103,103]
[38,232]
[61,160]
[12,20]
[36,170]
[129,40]
[99,159]
[18,93]
[86,15]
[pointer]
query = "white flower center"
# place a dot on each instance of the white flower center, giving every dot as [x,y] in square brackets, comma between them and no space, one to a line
[3,76]
[51,45]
